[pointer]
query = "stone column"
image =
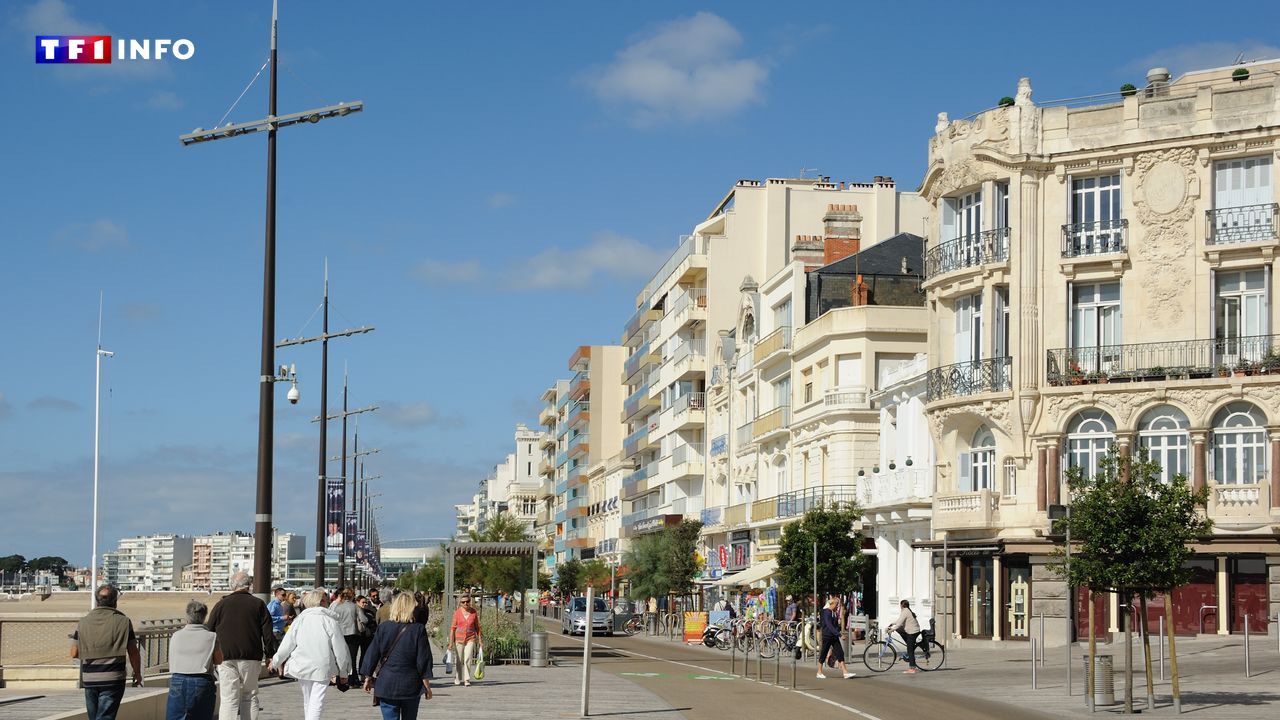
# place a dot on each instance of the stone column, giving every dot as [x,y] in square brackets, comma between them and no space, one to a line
[1024,242]
[1042,492]
[1122,445]
[1275,471]
[1198,476]
[1223,598]
[997,597]
[1053,476]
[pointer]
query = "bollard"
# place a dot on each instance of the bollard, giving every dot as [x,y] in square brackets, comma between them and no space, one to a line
[1042,638]
[777,663]
[759,665]
[1034,683]
[733,654]
[1161,648]
[793,671]
[586,652]
[1246,646]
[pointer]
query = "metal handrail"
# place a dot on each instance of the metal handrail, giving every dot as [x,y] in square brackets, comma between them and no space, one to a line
[1162,359]
[1202,609]
[969,378]
[972,250]
[1246,223]
[1101,237]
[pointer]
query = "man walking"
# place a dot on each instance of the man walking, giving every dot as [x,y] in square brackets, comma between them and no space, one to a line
[102,640]
[244,631]
[275,608]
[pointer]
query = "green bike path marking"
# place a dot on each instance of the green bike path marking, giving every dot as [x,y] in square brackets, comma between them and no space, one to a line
[710,677]
[643,674]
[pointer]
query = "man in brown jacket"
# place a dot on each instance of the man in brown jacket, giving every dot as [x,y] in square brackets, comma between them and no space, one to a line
[102,640]
[243,626]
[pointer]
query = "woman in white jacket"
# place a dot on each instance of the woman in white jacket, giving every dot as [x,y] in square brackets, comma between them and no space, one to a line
[313,651]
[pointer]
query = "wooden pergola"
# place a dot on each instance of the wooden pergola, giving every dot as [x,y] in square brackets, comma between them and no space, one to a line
[489,549]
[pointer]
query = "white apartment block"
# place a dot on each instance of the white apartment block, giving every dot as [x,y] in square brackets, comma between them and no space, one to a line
[545,527]
[604,517]
[216,557]
[149,562]
[1102,274]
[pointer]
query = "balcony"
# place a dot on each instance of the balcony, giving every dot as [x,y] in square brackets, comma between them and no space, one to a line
[687,461]
[905,486]
[580,386]
[559,545]
[742,436]
[562,401]
[692,249]
[562,457]
[1160,360]
[562,487]
[799,502]
[974,250]
[689,358]
[638,481]
[775,421]
[580,360]
[1244,502]
[969,378]
[576,507]
[578,543]
[579,412]
[1244,224]
[575,477]
[637,516]
[687,506]
[691,305]
[545,467]
[849,397]
[736,514]
[772,344]
[547,416]
[543,518]
[1102,237]
[712,517]
[643,357]
[962,511]
[547,441]
[689,410]
[639,320]
[559,516]
[745,362]
[637,402]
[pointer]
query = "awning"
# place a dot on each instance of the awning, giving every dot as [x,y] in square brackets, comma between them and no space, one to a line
[755,573]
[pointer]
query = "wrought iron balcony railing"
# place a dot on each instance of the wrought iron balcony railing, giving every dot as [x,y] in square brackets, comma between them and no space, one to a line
[1160,360]
[1247,223]
[969,378]
[1094,238]
[975,249]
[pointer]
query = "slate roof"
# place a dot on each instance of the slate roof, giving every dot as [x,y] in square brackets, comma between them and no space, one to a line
[883,258]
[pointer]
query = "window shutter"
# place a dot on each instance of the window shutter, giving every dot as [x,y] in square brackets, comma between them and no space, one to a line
[948,230]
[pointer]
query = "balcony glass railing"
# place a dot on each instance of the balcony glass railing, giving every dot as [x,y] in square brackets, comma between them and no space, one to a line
[636,401]
[562,457]
[969,378]
[689,245]
[690,348]
[578,444]
[1102,237]
[636,362]
[631,444]
[688,453]
[638,320]
[743,435]
[695,298]
[689,401]
[746,361]
[638,515]
[774,342]
[1247,223]
[776,419]
[635,482]
[578,412]
[1160,360]
[976,249]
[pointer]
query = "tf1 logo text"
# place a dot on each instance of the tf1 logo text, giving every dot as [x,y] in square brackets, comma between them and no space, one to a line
[96,49]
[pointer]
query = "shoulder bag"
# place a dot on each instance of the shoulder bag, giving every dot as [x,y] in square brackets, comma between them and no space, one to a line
[383,661]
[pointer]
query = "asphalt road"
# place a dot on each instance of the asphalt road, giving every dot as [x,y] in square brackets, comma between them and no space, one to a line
[698,683]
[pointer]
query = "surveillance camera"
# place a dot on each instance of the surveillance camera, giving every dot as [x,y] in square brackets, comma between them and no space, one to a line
[294,395]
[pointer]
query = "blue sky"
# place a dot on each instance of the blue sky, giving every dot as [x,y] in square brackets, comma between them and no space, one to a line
[519,172]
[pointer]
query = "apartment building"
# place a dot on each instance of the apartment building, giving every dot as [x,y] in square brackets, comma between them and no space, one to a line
[1101,274]
[545,526]
[774,229]
[216,557]
[588,433]
[149,562]
[604,514]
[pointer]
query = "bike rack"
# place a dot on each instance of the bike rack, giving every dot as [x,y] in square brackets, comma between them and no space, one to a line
[1202,609]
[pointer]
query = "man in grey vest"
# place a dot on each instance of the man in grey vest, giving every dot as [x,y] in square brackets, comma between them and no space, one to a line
[102,640]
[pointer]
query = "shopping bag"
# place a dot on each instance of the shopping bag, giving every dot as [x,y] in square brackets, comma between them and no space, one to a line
[478,673]
[448,661]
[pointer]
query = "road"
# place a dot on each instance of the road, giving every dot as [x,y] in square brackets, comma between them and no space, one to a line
[698,683]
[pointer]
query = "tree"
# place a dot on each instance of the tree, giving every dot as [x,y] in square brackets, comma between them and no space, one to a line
[428,578]
[13,563]
[644,563]
[666,562]
[840,556]
[49,563]
[597,574]
[569,577]
[681,558]
[496,574]
[1132,534]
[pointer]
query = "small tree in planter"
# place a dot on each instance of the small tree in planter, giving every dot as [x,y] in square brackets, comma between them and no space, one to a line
[1128,89]
[1005,101]
[1240,74]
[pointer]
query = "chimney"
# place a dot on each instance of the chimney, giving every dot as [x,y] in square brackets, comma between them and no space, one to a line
[843,232]
[1158,82]
[860,292]
[809,250]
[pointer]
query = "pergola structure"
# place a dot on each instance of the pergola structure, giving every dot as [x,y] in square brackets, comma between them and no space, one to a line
[489,549]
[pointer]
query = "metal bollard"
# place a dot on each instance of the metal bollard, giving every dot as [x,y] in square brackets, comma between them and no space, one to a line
[777,663]
[733,654]
[1034,682]
[793,671]
[1041,638]
[1246,646]
[1070,630]
[759,665]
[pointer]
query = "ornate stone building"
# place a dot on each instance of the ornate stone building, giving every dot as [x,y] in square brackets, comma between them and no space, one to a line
[1102,275]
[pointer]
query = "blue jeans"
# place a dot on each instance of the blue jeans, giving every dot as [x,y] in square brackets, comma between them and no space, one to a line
[103,702]
[190,697]
[403,709]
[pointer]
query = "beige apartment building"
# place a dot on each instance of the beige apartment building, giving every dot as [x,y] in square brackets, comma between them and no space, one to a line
[1101,274]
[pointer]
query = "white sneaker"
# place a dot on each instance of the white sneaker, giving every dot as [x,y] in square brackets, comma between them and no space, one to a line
[821,676]
[849,675]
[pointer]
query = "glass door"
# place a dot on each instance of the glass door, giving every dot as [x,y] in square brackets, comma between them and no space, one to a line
[1095,327]
[1241,316]
[1017,619]
[969,228]
[1095,216]
[979,583]
[968,337]
[1242,199]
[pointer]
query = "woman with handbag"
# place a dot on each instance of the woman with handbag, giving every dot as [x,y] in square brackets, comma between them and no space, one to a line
[464,636]
[397,667]
[313,651]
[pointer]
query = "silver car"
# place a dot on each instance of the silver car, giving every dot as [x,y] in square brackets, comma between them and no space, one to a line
[574,619]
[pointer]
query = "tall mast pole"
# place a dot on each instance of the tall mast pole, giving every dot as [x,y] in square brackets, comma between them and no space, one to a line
[342,551]
[351,494]
[97,408]
[321,484]
[266,383]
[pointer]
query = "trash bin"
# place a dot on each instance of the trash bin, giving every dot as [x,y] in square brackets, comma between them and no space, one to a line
[537,649]
[1104,679]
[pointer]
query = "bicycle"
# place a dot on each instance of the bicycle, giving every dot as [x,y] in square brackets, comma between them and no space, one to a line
[634,624]
[880,655]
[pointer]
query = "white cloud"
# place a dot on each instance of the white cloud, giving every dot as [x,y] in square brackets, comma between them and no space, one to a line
[1202,56]
[414,415]
[608,254]
[501,200]
[687,70]
[165,100]
[53,17]
[48,402]
[98,236]
[445,272]
[140,312]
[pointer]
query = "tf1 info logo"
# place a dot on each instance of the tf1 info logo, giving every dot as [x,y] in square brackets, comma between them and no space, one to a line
[96,49]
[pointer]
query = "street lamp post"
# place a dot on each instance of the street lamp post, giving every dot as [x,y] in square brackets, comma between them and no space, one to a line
[266,398]
[323,337]
[97,405]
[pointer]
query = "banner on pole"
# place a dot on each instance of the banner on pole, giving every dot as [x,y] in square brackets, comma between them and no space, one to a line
[336,499]
[349,537]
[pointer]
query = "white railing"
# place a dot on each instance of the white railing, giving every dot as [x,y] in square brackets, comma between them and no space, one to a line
[967,502]
[693,297]
[1237,496]
[690,347]
[688,453]
[905,485]
[746,360]
[690,401]
[849,396]
[689,245]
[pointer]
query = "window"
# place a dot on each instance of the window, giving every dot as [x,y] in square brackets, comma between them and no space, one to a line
[1089,436]
[978,464]
[1000,339]
[1242,201]
[782,314]
[1002,205]
[969,328]
[781,476]
[962,221]
[782,392]
[1240,315]
[1239,440]
[1163,435]
[808,392]
[1096,226]
[1010,478]
[1095,326]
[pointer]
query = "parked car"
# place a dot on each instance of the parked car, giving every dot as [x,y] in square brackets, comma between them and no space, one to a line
[574,619]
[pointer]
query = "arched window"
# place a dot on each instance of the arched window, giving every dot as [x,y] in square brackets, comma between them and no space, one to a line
[1239,442]
[978,463]
[1089,436]
[1163,434]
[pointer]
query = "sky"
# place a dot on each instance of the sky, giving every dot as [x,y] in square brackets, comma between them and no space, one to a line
[519,172]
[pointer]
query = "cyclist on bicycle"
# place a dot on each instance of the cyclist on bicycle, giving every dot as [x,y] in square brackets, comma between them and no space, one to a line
[831,638]
[909,630]
[790,613]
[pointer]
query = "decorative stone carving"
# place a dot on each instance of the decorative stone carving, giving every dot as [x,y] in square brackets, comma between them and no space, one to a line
[962,173]
[943,122]
[998,135]
[998,416]
[1165,202]
[1197,400]
[1024,92]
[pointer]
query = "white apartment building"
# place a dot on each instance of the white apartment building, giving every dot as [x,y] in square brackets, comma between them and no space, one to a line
[216,557]
[545,527]
[1102,274]
[149,562]
[604,518]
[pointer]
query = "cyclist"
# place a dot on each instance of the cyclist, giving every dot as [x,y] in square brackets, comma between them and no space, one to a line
[790,613]
[909,630]
[831,637]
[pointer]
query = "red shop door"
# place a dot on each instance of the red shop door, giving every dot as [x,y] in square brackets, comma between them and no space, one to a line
[1155,611]
[1248,583]
[1200,592]
[1100,622]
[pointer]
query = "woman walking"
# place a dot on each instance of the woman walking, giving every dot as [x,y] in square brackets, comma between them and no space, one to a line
[464,635]
[350,620]
[831,637]
[313,651]
[397,666]
[193,651]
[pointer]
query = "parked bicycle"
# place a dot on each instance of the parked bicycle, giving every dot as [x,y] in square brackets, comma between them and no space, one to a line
[634,624]
[881,653]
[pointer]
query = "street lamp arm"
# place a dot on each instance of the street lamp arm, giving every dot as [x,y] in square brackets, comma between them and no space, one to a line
[325,336]
[230,130]
[359,454]
[339,416]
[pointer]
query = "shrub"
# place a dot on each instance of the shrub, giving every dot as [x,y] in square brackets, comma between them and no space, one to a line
[1128,89]
[1006,101]
[1240,74]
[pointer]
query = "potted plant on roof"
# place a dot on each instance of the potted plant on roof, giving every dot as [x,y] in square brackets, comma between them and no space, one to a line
[1075,375]
[1005,102]
[1097,376]
[1240,74]
[1156,373]
[1128,89]
[1243,368]
[1270,363]
[1222,370]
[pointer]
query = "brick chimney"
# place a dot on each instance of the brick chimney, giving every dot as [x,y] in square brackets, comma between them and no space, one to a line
[860,292]
[809,250]
[843,233]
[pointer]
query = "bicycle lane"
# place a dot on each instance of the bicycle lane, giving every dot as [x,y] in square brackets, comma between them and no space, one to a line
[697,681]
